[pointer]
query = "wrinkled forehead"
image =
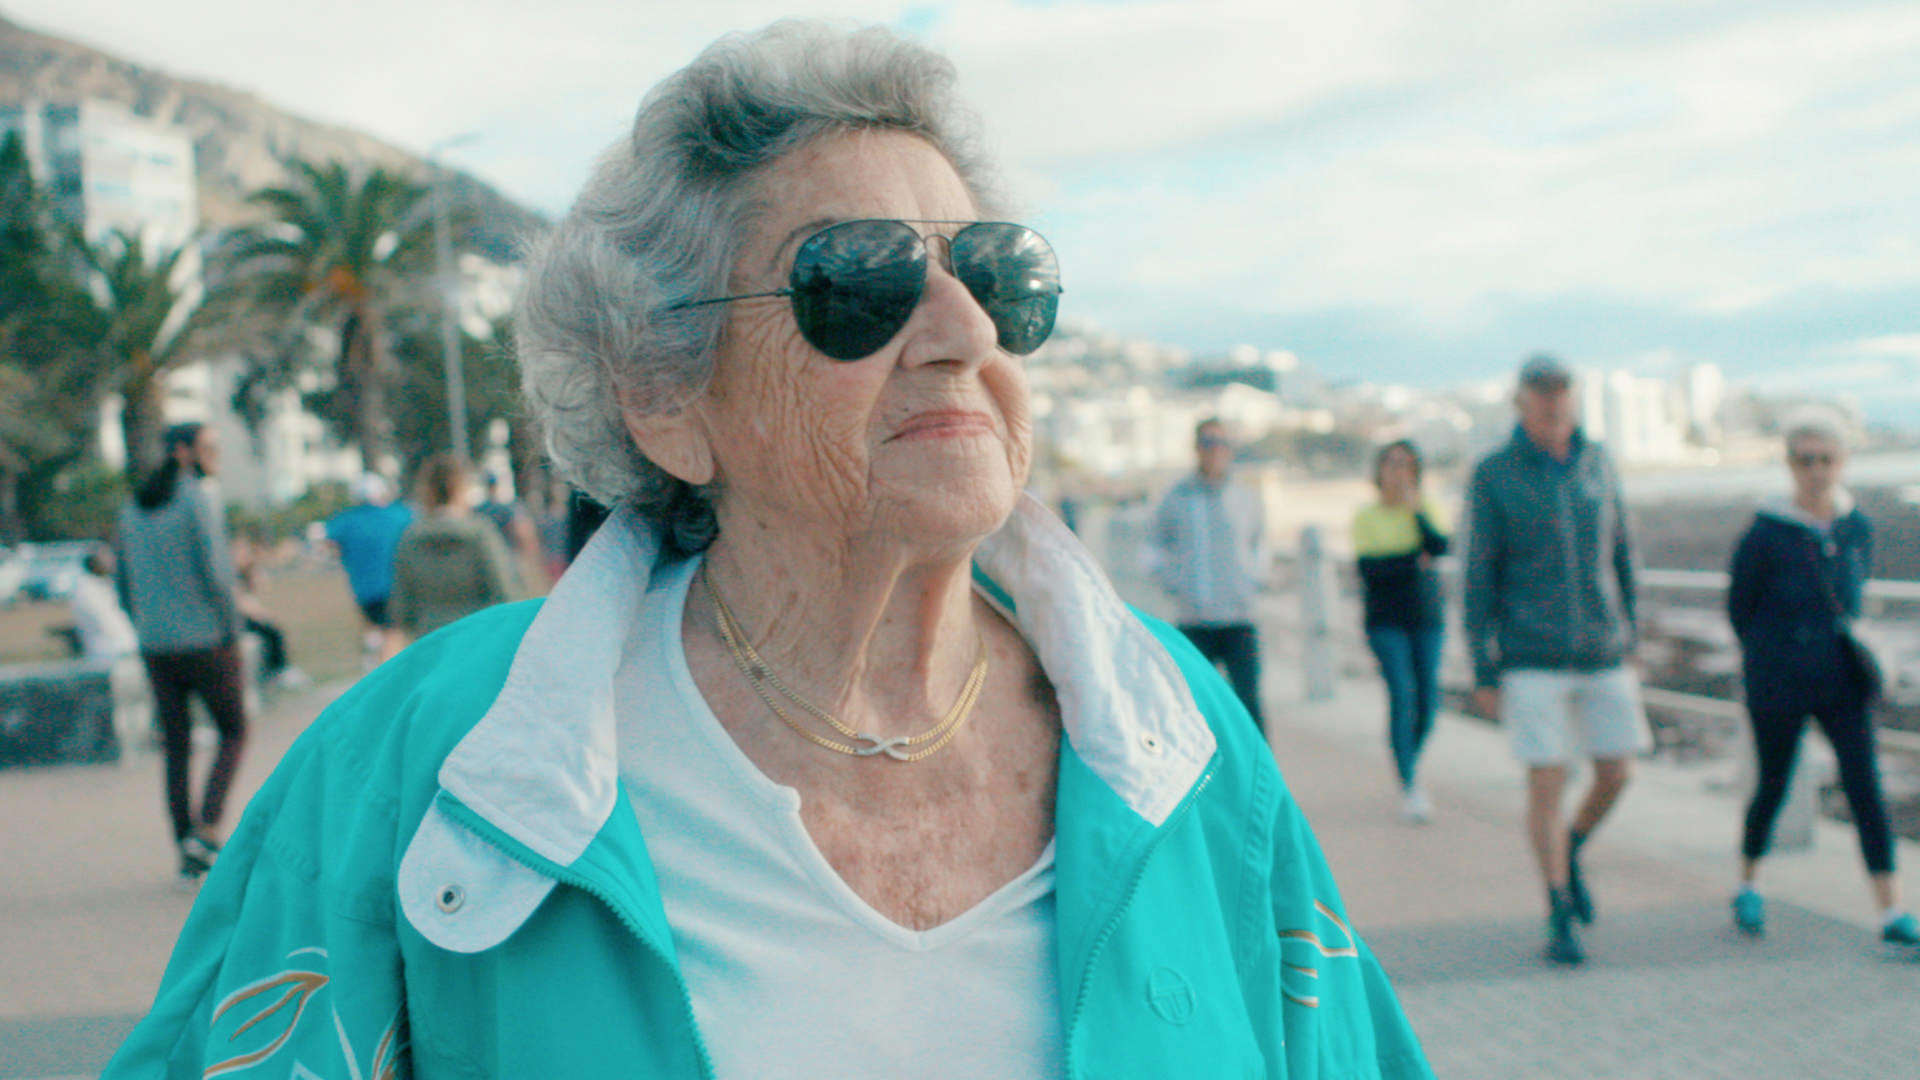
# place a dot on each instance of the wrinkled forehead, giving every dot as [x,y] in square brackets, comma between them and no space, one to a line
[849,176]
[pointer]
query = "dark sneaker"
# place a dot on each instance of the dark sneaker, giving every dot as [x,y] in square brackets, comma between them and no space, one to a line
[201,850]
[1576,884]
[192,871]
[1750,913]
[196,858]
[1563,931]
[1901,931]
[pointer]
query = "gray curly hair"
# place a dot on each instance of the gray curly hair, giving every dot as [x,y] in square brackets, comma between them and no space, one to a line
[660,221]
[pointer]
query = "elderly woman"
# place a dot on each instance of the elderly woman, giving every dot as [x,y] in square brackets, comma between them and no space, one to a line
[831,755]
[1797,580]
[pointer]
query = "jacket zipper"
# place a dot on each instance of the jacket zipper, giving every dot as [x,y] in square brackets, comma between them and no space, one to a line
[1113,923]
[567,877]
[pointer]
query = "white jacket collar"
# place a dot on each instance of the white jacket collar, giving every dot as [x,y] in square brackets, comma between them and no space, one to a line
[541,765]
[1783,508]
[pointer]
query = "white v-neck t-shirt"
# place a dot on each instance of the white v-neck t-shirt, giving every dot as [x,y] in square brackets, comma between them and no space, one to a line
[792,973]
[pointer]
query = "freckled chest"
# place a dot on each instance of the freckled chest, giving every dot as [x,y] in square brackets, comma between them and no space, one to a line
[923,849]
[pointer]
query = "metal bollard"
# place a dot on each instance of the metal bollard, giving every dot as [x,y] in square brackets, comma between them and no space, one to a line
[1316,616]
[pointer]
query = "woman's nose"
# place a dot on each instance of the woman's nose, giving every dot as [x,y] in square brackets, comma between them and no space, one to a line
[949,326]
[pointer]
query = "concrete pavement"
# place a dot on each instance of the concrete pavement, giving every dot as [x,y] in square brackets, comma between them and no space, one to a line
[88,903]
[1455,912]
[88,912]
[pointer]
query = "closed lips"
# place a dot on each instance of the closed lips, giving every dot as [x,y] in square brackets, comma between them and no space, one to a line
[945,422]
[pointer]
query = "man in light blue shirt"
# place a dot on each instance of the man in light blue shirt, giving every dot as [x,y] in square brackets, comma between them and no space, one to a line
[1208,545]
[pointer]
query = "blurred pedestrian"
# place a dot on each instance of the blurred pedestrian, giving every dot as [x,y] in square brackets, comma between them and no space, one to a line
[1396,540]
[450,563]
[1208,546]
[100,624]
[1798,575]
[177,583]
[276,667]
[365,535]
[514,522]
[1550,625]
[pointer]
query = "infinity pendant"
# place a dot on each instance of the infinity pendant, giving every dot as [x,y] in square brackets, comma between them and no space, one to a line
[890,746]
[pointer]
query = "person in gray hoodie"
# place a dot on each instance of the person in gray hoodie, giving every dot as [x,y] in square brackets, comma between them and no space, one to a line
[1550,625]
[176,581]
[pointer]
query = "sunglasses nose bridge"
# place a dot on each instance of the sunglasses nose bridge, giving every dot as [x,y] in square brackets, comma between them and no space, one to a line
[939,250]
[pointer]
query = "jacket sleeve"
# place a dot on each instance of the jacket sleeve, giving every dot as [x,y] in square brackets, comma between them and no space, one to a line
[402,605]
[1336,1004]
[1486,556]
[215,561]
[288,958]
[1861,567]
[496,568]
[1158,552]
[1744,581]
[1433,541]
[1623,563]
[122,588]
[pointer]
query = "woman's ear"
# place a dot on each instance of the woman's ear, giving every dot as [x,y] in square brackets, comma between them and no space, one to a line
[675,440]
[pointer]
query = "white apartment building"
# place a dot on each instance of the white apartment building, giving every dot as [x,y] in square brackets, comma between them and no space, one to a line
[1641,419]
[107,169]
[1140,429]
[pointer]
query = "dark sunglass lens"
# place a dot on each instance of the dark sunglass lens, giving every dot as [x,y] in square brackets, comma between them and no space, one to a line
[1012,271]
[856,284]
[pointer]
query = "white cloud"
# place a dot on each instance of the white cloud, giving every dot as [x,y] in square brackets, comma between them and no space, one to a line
[1427,159]
[1895,346]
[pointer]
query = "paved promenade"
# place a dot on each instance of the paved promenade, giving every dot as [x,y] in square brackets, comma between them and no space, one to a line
[88,911]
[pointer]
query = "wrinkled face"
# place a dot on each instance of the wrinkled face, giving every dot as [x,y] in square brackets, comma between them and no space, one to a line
[1546,415]
[1816,464]
[927,438]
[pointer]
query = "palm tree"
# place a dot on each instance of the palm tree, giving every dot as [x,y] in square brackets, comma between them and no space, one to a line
[342,251]
[149,319]
[50,376]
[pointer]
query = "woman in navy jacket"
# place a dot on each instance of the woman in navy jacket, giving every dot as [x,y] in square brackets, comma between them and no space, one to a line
[1797,580]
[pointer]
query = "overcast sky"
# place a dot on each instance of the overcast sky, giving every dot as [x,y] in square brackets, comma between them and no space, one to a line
[1416,190]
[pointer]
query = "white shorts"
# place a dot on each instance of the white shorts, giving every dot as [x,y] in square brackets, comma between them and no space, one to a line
[1552,716]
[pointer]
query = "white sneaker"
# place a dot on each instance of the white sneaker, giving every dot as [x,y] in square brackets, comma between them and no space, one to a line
[1415,807]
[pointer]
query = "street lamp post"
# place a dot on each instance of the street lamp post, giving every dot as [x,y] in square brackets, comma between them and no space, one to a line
[449,283]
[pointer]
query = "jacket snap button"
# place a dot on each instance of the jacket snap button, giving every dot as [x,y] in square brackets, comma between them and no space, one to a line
[450,898]
[1150,743]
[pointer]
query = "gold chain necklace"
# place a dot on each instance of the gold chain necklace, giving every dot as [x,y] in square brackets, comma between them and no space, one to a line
[907,748]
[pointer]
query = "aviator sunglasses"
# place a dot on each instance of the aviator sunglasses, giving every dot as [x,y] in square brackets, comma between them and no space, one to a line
[855,284]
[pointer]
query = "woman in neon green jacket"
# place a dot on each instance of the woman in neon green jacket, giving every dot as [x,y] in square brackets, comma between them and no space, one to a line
[833,754]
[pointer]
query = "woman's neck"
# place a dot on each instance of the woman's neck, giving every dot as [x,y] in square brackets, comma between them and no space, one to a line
[879,637]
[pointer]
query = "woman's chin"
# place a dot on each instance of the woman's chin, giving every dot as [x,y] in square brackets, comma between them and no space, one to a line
[945,515]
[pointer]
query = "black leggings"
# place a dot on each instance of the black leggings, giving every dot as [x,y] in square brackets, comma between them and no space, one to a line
[1777,742]
[213,675]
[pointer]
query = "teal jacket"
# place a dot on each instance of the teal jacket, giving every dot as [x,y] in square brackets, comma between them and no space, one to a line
[443,878]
